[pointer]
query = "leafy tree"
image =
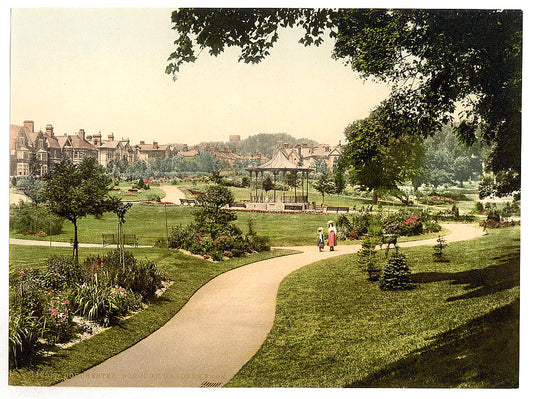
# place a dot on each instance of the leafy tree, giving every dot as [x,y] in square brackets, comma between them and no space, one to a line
[32,187]
[434,60]
[268,184]
[377,158]
[340,180]
[447,161]
[139,170]
[324,185]
[205,162]
[320,166]
[291,179]
[33,164]
[76,191]
[211,218]
[180,164]
[216,177]
[167,165]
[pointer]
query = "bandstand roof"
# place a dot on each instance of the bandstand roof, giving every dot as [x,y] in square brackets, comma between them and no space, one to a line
[279,162]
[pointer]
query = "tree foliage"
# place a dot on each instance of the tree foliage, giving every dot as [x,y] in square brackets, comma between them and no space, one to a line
[378,158]
[211,218]
[434,60]
[76,191]
[324,185]
[447,161]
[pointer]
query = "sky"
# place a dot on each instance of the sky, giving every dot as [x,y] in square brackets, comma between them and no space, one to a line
[103,70]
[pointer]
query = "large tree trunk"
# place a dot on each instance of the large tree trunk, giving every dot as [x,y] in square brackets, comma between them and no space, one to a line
[375,196]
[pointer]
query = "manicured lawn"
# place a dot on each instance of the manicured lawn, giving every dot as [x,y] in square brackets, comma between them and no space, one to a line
[147,222]
[457,328]
[188,274]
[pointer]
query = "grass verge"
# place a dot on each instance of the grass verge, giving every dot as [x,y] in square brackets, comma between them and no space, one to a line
[188,274]
[457,328]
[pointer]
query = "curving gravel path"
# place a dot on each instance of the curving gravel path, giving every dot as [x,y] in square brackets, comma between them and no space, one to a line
[172,194]
[221,327]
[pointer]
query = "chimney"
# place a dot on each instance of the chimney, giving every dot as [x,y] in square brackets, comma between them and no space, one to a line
[154,145]
[111,137]
[81,134]
[285,145]
[30,125]
[141,142]
[185,147]
[49,130]
[226,150]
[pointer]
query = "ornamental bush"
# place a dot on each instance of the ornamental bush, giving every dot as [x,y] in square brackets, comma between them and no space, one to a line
[103,303]
[115,269]
[396,274]
[30,218]
[212,234]
[366,259]
[36,312]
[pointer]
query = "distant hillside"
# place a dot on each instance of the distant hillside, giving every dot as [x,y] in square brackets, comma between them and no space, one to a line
[266,143]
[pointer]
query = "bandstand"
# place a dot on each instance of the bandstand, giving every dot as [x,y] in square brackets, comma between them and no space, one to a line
[279,166]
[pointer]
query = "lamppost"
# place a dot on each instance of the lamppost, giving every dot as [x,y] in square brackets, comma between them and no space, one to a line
[166,222]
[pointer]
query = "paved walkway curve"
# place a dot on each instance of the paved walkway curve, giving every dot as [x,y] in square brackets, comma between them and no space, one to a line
[221,327]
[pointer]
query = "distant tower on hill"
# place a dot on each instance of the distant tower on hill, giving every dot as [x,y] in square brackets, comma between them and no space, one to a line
[234,138]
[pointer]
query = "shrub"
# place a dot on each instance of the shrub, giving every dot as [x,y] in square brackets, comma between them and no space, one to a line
[66,266]
[438,250]
[32,219]
[493,224]
[24,331]
[153,197]
[103,303]
[402,224]
[36,311]
[396,274]
[124,270]
[366,259]
[430,226]
[58,318]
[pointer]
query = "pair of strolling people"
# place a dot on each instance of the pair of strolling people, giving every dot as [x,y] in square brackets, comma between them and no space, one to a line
[331,238]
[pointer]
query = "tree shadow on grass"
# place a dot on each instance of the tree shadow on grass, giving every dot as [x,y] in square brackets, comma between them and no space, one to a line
[483,353]
[502,273]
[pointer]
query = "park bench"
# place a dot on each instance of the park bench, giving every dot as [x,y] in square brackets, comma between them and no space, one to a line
[108,239]
[130,239]
[294,207]
[237,205]
[185,201]
[337,209]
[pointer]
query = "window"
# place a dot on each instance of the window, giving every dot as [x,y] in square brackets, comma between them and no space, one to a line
[23,169]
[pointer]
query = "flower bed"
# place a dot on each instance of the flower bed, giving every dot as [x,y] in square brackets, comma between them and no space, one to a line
[100,289]
[437,200]
[494,224]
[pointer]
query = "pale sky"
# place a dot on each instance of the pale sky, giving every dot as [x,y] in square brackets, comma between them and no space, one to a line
[103,70]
